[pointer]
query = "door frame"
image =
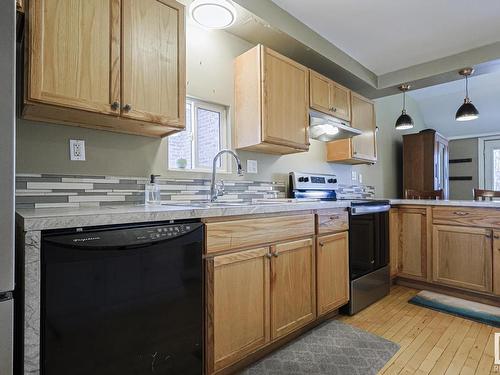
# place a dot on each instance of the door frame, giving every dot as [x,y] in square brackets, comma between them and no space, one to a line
[481,158]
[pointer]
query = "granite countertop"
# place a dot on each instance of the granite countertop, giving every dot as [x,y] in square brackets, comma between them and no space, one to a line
[59,218]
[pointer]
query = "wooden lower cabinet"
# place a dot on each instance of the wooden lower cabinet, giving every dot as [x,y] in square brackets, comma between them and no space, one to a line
[293,287]
[496,262]
[238,316]
[332,259]
[255,296]
[394,235]
[462,257]
[414,242]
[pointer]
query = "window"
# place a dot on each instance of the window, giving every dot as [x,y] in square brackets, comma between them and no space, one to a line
[205,135]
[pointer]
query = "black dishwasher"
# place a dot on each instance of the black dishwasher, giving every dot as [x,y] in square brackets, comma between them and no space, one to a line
[123,300]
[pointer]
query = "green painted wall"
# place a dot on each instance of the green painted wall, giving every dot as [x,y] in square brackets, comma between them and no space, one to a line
[387,174]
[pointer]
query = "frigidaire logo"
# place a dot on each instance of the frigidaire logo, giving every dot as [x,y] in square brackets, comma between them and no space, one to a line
[86,239]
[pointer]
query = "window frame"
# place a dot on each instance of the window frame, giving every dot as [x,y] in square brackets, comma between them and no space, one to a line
[224,135]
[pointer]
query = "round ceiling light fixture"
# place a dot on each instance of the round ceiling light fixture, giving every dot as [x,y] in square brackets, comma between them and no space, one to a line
[467,110]
[404,121]
[213,14]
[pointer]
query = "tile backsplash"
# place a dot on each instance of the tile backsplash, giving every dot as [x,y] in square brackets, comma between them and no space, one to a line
[52,190]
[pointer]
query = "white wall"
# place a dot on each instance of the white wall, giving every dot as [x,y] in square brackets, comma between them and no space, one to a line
[387,174]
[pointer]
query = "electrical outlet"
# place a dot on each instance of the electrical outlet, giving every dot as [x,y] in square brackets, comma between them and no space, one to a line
[77,150]
[360,178]
[354,175]
[251,166]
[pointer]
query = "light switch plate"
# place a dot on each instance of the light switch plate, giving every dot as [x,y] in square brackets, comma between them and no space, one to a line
[360,178]
[354,175]
[77,149]
[251,166]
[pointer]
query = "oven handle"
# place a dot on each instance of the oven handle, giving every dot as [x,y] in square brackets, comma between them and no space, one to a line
[366,210]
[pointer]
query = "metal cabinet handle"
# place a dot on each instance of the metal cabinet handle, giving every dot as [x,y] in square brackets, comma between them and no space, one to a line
[321,244]
[269,255]
[334,217]
[488,235]
[115,106]
[496,236]
[127,107]
[275,255]
[461,213]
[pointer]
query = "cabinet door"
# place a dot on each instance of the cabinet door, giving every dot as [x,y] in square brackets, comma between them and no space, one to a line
[340,101]
[153,60]
[238,310]
[74,54]
[394,235]
[320,92]
[285,101]
[462,257]
[332,254]
[496,263]
[414,243]
[364,146]
[293,299]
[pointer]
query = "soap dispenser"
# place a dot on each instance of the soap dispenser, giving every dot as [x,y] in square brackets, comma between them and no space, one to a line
[152,192]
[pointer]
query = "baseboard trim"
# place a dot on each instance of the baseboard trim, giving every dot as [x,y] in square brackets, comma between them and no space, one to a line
[465,294]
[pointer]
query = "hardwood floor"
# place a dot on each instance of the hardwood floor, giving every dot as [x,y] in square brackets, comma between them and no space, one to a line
[431,342]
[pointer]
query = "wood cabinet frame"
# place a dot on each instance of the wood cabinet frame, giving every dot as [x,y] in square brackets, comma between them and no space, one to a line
[324,284]
[487,247]
[103,115]
[421,270]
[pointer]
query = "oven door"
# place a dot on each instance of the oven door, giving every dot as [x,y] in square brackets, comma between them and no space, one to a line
[368,239]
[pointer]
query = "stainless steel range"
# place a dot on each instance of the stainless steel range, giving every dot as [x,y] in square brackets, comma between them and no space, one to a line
[368,238]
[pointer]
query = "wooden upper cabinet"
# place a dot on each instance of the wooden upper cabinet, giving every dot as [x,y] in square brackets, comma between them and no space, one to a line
[341,102]
[320,92]
[496,262]
[361,149]
[88,59]
[332,259]
[238,306]
[271,103]
[74,54]
[293,296]
[329,97]
[462,257]
[153,76]
[414,244]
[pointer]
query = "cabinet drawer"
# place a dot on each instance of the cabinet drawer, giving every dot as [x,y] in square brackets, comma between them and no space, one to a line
[229,235]
[332,221]
[466,216]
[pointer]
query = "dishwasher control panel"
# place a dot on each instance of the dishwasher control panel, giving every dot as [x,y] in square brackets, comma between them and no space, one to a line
[122,237]
[168,231]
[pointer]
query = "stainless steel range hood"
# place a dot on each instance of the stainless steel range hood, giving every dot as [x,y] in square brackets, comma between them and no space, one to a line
[323,127]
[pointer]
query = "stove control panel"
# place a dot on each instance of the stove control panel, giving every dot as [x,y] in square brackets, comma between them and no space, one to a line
[309,181]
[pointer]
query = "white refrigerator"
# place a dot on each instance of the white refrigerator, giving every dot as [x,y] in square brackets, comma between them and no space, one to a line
[7,183]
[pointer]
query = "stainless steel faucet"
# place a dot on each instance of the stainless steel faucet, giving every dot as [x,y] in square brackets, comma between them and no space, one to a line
[216,189]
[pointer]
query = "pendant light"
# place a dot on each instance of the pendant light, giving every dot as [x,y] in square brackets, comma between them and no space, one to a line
[467,111]
[404,121]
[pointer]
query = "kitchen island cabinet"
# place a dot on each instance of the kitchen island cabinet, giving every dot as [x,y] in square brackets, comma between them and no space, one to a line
[444,246]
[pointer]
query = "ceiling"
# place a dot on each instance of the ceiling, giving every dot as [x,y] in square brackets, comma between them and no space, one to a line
[389,35]
[439,104]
